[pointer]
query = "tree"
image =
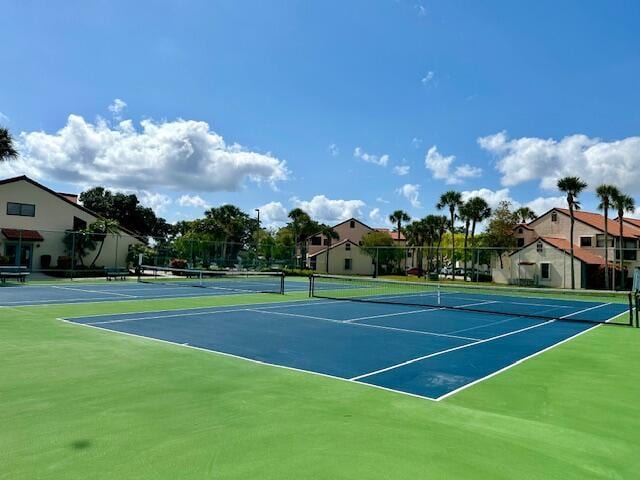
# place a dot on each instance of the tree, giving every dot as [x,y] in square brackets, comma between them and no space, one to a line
[398,217]
[451,200]
[99,231]
[127,211]
[605,194]
[417,233]
[572,186]
[78,245]
[440,224]
[376,245]
[480,211]
[622,203]
[330,235]
[302,227]
[466,215]
[499,233]
[7,149]
[525,214]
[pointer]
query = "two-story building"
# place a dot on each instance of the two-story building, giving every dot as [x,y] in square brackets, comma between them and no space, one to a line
[35,219]
[344,255]
[543,256]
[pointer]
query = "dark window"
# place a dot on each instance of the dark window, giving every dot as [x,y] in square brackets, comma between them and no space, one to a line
[629,250]
[347,246]
[79,224]
[22,209]
[325,242]
[545,271]
[316,241]
[600,240]
[539,247]
[520,230]
[554,216]
[409,254]
[585,241]
[347,264]
[352,224]
[520,242]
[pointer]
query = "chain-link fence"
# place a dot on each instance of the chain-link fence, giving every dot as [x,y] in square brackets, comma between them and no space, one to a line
[542,263]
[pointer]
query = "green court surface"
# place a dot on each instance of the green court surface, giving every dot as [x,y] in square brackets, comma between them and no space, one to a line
[79,403]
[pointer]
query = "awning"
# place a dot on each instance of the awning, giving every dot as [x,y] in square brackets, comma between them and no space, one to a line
[24,235]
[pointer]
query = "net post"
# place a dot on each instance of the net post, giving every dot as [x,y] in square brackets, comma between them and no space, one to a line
[282,283]
[637,314]
[311,280]
[631,309]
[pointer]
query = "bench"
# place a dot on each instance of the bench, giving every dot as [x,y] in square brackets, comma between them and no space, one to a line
[13,273]
[116,273]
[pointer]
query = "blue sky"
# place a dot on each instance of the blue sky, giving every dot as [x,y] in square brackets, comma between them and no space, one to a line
[342,108]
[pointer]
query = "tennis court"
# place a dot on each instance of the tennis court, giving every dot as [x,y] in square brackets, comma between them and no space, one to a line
[114,291]
[419,342]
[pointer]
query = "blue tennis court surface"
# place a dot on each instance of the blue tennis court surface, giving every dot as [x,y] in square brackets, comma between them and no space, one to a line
[84,292]
[428,352]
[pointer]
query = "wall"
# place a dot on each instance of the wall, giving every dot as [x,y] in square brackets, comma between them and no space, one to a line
[361,263]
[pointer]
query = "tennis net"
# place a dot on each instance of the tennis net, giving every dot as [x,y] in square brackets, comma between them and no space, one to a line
[614,308]
[229,281]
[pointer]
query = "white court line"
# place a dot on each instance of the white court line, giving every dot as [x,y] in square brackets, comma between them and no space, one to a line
[93,291]
[586,310]
[366,325]
[435,354]
[389,315]
[242,308]
[258,362]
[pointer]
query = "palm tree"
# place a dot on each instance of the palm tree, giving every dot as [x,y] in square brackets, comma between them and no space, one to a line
[330,235]
[526,214]
[466,215]
[451,200]
[99,231]
[398,217]
[572,186]
[480,211]
[622,203]
[7,150]
[414,234]
[439,227]
[302,227]
[606,193]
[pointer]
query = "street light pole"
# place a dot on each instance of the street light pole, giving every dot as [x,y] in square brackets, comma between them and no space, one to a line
[257,233]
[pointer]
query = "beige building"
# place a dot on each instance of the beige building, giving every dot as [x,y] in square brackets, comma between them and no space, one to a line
[345,255]
[33,222]
[543,256]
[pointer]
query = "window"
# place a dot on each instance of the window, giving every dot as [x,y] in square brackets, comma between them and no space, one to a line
[347,264]
[520,231]
[629,250]
[554,216]
[545,271]
[22,209]
[79,224]
[325,242]
[352,224]
[520,242]
[585,241]
[539,247]
[347,247]
[409,254]
[600,240]
[316,241]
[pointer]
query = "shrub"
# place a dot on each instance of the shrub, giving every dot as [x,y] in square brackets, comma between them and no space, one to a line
[178,263]
[64,262]
[4,260]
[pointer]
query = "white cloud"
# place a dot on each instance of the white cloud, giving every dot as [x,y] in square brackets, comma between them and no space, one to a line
[364,156]
[541,205]
[117,107]
[382,200]
[401,170]
[441,166]
[428,78]
[376,216]
[421,9]
[411,192]
[273,214]
[181,154]
[330,211]
[158,202]
[3,118]
[416,142]
[546,160]
[334,150]
[193,201]
[493,197]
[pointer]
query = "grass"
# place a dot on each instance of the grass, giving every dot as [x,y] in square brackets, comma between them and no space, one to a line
[78,403]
